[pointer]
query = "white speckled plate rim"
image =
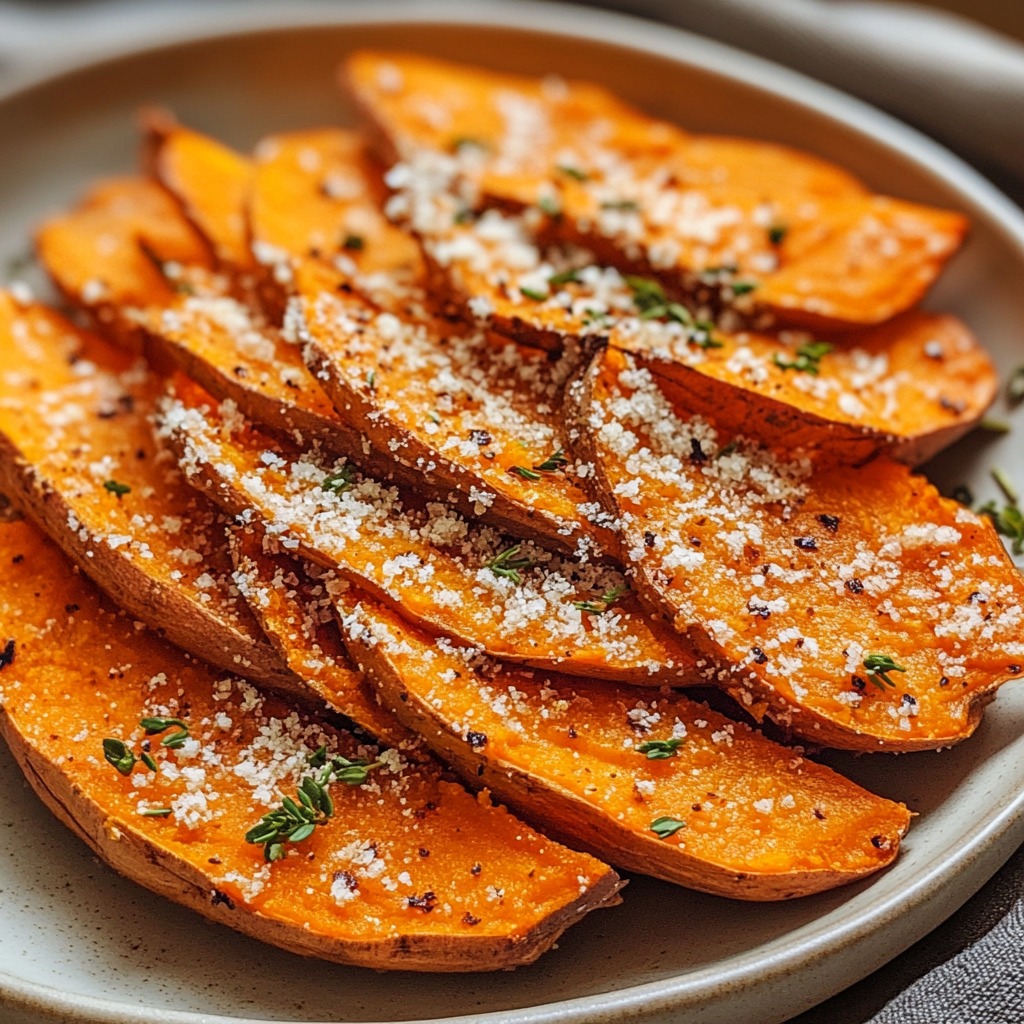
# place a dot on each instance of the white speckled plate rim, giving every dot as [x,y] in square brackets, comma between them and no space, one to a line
[991,842]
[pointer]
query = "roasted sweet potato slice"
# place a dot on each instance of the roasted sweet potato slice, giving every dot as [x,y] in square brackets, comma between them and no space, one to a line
[626,186]
[908,387]
[480,414]
[854,605]
[77,453]
[316,196]
[210,181]
[514,600]
[607,768]
[359,890]
[109,280]
[293,603]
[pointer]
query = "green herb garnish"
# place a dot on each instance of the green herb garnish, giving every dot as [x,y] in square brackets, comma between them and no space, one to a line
[666,826]
[553,463]
[808,358]
[659,750]
[340,482]
[156,812]
[573,172]
[994,426]
[1004,484]
[461,142]
[1009,523]
[534,293]
[742,287]
[509,564]
[564,277]
[176,740]
[148,761]
[879,666]
[550,206]
[526,474]
[117,753]
[297,819]
[622,205]
[1015,386]
[120,490]
[602,604]
[353,242]
[777,234]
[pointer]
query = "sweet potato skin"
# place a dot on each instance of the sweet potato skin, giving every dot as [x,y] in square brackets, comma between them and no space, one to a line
[569,769]
[849,537]
[172,854]
[76,429]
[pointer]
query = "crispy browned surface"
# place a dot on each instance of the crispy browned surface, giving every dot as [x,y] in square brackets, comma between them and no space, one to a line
[292,601]
[423,558]
[762,822]
[908,387]
[75,429]
[791,578]
[628,187]
[82,672]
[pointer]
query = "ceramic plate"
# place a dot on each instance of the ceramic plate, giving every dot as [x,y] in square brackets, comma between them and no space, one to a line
[78,943]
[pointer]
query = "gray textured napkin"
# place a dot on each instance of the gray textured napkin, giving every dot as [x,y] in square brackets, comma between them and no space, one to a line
[956,81]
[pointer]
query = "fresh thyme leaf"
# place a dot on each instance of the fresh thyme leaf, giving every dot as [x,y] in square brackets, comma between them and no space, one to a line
[116,752]
[509,563]
[553,463]
[600,605]
[622,205]
[564,277]
[702,335]
[994,426]
[647,293]
[573,172]
[153,725]
[353,242]
[742,287]
[156,812]
[659,750]
[666,826]
[1015,386]
[296,820]
[464,216]
[534,293]
[595,318]
[808,358]
[777,234]
[148,761]
[550,206]
[526,474]
[371,379]
[176,740]
[340,482]
[1009,523]
[120,490]
[879,666]
[1004,484]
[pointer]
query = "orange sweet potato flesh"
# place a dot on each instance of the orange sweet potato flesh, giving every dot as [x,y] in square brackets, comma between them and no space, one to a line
[908,387]
[821,251]
[761,821]
[316,195]
[75,432]
[292,602]
[106,278]
[475,411]
[794,579]
[424,559]
[356,891]
[210,180]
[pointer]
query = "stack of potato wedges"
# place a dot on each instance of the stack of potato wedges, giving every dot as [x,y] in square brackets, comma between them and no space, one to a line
[386,491]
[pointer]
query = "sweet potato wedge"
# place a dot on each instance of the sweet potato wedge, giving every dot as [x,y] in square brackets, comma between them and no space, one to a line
[742,816]
[514,600]
[908,387]
[402,876]
[479,414]
[625,186]
[854,605]
[107,279]
[78,455]
[292,602]
[209,180]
